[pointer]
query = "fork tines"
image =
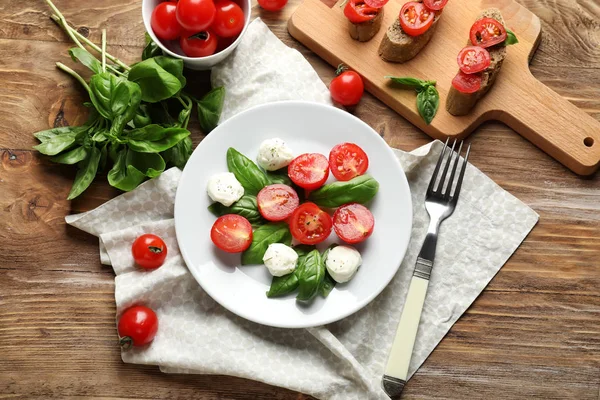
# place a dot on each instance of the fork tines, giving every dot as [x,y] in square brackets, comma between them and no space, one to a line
[442,187]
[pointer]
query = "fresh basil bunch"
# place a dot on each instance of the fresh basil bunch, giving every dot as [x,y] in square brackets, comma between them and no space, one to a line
[428,98]
[138,116]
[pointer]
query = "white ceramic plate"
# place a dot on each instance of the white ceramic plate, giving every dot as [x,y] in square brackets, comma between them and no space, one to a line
[306,127]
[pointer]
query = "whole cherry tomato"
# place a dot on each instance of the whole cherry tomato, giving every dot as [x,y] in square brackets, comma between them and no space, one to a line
[272,5]
[137,326]
[149,251]
[196,15]
[229,20]
[347,87]
[198,45]
[164,21]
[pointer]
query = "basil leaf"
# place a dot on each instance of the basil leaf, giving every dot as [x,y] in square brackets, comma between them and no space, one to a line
[279,176]
[85,174]
[357,190]
[155,82]
[149,164]
[210,108]
[103,157]
[261,239]
[71,157]
[123,176]
[142,117]
[302,250]
[252,178]
[114,96]
[100,136]
[511,38]
[179,154]
[174,66]
[84,57]
[311,276]
[246,207]
[171,137]
[411,83]
[282,285]
[51,146]
[151,49]
[44,136]
[328,282]
[428,102]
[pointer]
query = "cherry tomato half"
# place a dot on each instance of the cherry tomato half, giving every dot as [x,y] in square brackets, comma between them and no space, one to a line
[347,88]
[487,32]
[229,19]
[196,15]
[137,326]
[347,161]
[277,202]
[198,45]
[358,11]
[149,251]
[309,224]
[376,3]
[272,5]
[467,83]
[309,171]
[353,223]
[415,18]
[435,5]
[231,233]
[164,21]
[473,59]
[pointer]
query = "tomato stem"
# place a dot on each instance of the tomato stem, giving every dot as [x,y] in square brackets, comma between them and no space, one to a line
[340,69]
[126,342]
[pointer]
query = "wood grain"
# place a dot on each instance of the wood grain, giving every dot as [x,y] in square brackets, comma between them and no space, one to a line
[534,332]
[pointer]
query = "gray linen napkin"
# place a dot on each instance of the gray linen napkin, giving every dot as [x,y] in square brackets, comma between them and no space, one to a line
[344,360]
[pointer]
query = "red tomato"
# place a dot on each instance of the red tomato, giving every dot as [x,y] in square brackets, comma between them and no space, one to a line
[466,83]
[137,326]
[149,251]
[198,45]
[487,32]
[231,233]
[415,18]
[309,224]
[277,202]
[309,171]
[473,59]
[347,161]
[376,3]
[224,43]
[358,11]
[196,15]
[164,21]
[347,88]
[353,223]
[272,5]
[435,5]
[229,20]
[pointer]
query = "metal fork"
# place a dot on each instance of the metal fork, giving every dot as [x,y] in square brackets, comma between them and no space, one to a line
[440,202]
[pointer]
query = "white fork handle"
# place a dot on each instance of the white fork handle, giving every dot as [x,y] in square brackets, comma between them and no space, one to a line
[402,348]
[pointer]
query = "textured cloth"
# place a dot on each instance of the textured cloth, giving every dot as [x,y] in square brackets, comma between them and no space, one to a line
[344,360]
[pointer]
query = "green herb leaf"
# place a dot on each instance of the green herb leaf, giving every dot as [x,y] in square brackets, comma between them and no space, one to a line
[252,178]
[52,145]
[179,154]
[123,176]
[511,38]
[264,236]
[85,174]
[210,108]
[149,164]
[151,49]
[103,157]
[280,176]
[246,207]
[155,138]
[311,276]
[174,66]
[114,96]
[155,82]
[428,102]
[44,136]
[100,136]
[142,117]
[357,190]
[71,157]
[411,83]
[84,57]
[282,285]
[328,282]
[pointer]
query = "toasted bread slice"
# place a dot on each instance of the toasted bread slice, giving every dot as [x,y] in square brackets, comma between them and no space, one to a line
[396,46]
[459,103]
[365,31]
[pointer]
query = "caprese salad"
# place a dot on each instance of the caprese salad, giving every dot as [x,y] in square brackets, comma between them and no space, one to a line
[277,210]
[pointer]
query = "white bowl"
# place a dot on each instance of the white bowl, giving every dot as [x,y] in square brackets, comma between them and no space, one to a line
[172,48]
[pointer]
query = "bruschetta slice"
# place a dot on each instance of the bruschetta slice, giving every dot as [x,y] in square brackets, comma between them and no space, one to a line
[409,33]
[364,20]
[467,89]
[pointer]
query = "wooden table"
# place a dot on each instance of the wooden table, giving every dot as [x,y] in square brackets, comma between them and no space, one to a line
[534,332]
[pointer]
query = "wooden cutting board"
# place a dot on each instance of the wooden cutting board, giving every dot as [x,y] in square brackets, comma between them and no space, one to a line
[518,99]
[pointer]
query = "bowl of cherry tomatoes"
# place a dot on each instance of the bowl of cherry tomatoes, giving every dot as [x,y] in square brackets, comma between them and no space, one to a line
[200,32]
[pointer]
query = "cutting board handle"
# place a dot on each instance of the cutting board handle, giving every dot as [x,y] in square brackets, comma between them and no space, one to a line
[553,124]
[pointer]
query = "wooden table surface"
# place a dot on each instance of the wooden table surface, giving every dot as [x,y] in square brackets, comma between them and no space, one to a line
[534,332]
